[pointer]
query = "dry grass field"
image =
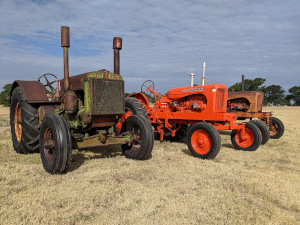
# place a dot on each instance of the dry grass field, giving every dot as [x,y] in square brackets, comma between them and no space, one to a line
[173,187]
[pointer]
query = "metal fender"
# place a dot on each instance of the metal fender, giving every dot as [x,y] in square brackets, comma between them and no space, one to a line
[33,91]
[140,96]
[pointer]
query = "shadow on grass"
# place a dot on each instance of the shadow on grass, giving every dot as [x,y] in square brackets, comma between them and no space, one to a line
[81,155]
[187,152]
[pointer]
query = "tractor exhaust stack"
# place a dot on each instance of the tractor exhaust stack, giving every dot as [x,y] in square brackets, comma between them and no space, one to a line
[203,76]
[192,75]
[243,82]
[117,46]
[65,43]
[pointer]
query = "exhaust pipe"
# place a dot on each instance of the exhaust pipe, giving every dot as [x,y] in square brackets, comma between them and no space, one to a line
[65,43]
[243,82]
[203,76]
[117,46]
[192,75]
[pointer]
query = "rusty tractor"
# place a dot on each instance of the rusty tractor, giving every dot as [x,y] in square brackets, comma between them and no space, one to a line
[81,114]
[248,105]
[202,108]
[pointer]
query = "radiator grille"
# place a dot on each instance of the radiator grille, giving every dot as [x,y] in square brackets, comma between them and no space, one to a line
[107,97]
[220,98]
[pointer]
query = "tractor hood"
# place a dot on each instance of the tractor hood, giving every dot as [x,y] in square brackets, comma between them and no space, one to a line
[179,93]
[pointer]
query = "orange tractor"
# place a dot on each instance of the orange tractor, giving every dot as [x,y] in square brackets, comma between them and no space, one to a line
[203,108]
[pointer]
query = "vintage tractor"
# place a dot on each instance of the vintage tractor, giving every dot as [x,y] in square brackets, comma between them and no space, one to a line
[82,114]
[248,105]
[201,107]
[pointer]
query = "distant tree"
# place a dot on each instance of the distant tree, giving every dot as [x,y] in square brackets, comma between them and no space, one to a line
[294,95]
[5,95]
[273,94]
[249,85]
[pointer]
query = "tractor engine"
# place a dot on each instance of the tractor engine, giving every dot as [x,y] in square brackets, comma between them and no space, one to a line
[192,103]
[238,105]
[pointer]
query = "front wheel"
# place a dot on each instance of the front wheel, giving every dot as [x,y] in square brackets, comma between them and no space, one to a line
[142,139]
[264,129]
[249,141]
[55,144]
[276,128]
[204,141]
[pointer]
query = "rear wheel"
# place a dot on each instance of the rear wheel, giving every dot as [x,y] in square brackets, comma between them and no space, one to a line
[135,107]
[276,128]
[204,141]
[25,127]
[55,144]
[264,129]
[251,139]
[142,138]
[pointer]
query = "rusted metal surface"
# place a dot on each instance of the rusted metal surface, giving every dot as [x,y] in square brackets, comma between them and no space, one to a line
[65,43]
[49,145]
[99,140]
[71,101]
[117,46]
[107,97]
[254,99]
[260,115]
[32,91]
[45,110]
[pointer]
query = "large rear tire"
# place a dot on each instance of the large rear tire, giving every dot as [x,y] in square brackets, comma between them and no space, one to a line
[276,128]
[251,140]
[25,127]
[264,129]
[55,144]
[204,141]
[142,141]
[135,107]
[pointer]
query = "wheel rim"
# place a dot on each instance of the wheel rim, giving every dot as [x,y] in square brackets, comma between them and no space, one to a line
[246,140]
[18,122]
[136,140]
[49,145]
[274,129]
[201,142]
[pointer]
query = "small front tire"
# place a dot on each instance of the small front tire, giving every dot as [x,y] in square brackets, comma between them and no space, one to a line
[276,128]
[55,144]
[204,141]
[264,129]
[142,140]
[251,139]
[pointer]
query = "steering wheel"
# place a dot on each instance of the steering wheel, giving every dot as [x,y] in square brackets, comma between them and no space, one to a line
[48,83]
[147,84]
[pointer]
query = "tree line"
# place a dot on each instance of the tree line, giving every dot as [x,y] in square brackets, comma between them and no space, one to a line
[274,94]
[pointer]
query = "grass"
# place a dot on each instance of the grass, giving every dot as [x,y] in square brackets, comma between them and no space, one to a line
[173,187]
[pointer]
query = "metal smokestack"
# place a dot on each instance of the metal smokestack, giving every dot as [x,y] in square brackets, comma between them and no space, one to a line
[243,82]
[192,75]
[65,43]
[117,46]
[203,76]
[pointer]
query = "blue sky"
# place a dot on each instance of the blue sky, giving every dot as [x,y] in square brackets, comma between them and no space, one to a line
[163,41]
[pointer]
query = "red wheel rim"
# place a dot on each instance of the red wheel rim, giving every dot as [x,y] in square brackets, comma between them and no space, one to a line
[246,140]
[49,145]
[201,142]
